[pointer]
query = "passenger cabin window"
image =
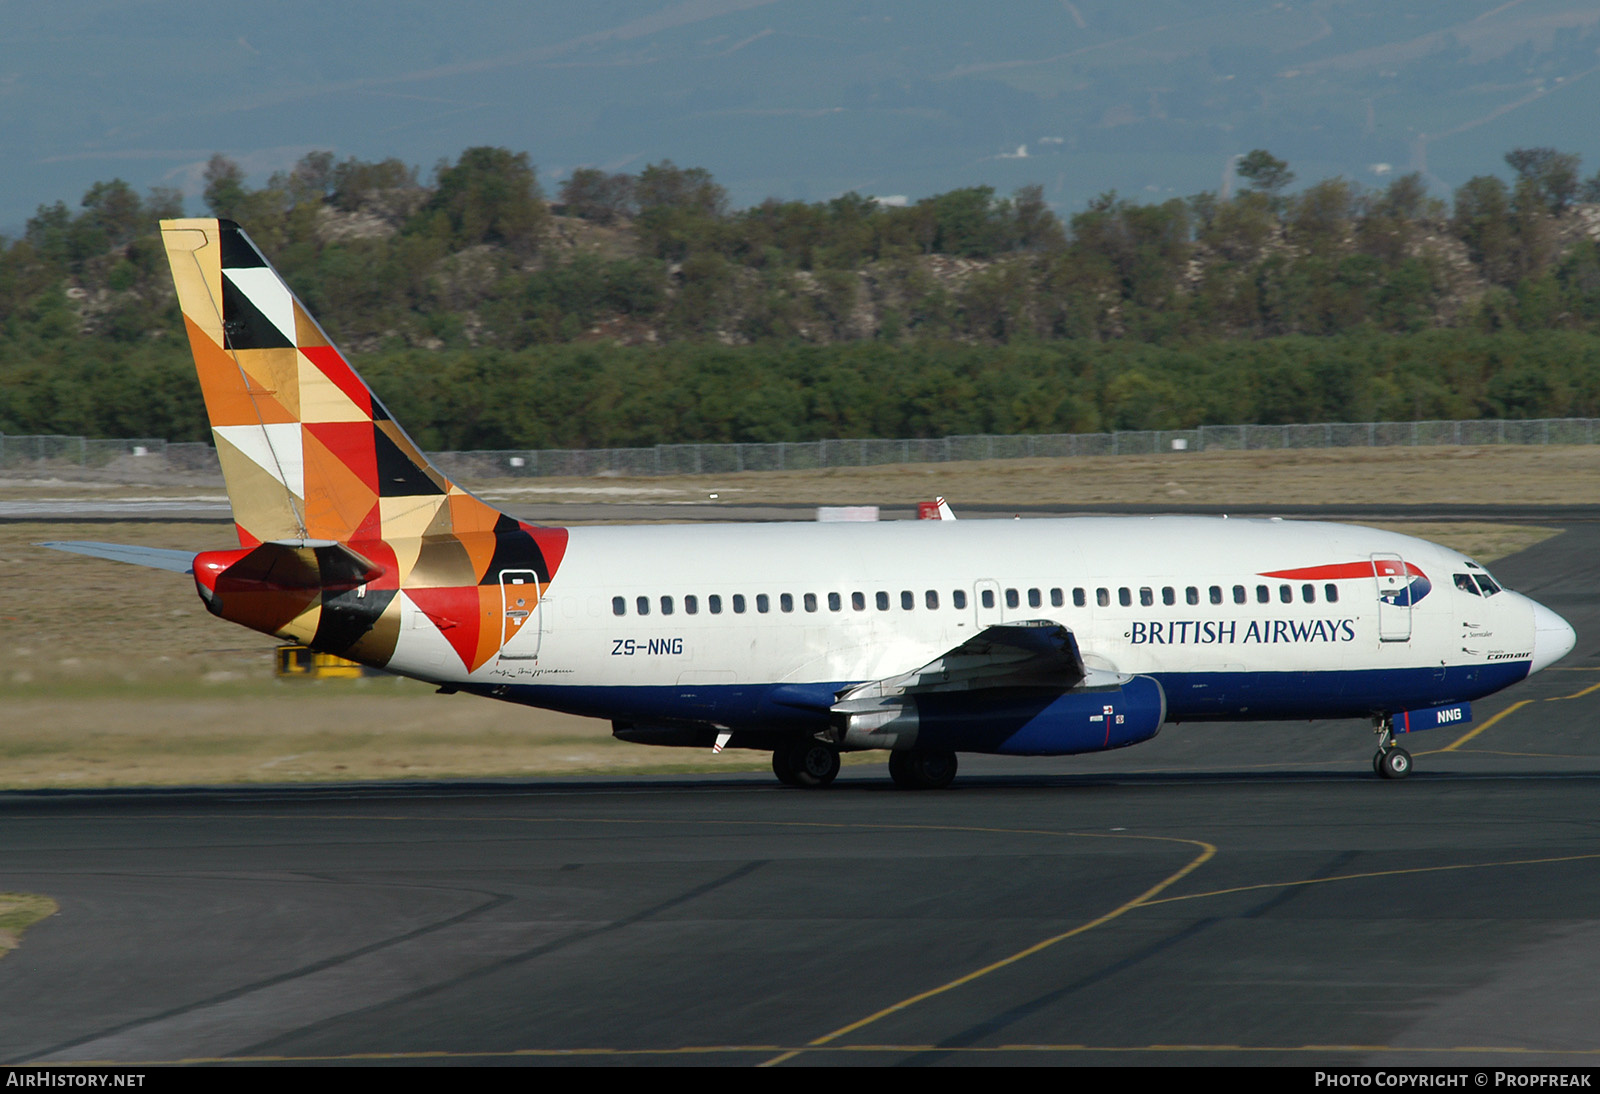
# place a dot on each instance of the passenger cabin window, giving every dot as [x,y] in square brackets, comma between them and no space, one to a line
[1058,598]
[691,605]
[619,605]
[907,600]
[858,601]
[1286,594]
[1330,593]
[1078,598]
[931,599]
[835,602]
[958,598]
[1216,594]
[1169,595]
[666,605]
[1308,593]
[1011,598]
[1191,595]
[1102,597]
[786,601]
[1238,594]
[811,602]
[714,602]
[642,605]
[883,602]
[763,603]
[738,603]
[1263,596]
[1147,597]
[1125,597]
[987,598]
[1035,598]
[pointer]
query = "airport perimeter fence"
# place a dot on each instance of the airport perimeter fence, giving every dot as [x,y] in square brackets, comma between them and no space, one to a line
[147,458]
[699,459]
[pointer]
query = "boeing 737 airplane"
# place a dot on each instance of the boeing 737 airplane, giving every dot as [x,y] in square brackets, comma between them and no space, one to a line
[921,638]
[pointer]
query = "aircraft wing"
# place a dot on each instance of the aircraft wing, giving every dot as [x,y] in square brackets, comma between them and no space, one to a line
[160,558]
[1032,654]
[1017,687]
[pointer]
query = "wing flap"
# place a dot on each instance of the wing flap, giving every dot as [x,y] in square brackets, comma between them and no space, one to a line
[1031,654]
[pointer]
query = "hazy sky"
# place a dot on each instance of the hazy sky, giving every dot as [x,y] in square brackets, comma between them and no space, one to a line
[798,98]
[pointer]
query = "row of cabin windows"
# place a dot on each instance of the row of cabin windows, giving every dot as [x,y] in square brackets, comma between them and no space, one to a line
[1191,595]
[786,602]
[986,597]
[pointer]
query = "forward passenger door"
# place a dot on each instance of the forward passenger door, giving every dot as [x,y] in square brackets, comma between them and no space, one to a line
[1394,598]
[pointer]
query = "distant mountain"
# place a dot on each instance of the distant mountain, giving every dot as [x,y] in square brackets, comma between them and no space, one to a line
[801,98]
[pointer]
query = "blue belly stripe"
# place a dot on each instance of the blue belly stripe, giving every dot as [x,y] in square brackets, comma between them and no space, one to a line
[782,709]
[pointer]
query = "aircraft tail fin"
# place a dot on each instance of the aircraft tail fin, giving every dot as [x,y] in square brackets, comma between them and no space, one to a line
[307,450]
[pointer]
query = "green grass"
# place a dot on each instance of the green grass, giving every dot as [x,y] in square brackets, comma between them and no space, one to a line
[18,912]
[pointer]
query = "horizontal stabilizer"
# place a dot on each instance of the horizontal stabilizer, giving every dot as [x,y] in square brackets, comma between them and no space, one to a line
[159,558]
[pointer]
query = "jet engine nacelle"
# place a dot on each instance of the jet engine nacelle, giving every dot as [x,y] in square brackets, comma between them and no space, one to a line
[1020,722]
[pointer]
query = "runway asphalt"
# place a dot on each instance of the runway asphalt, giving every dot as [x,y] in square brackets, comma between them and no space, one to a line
[1223,894]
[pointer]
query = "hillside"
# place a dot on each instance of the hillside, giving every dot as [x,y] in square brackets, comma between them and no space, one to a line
[967,297]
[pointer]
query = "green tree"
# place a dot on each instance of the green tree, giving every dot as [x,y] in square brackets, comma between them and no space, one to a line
[388,186]
[591,194]
[968,222]
[114,209]
[224,191]
[1035,226]
[1483,222]
[665,185]
[1264,171]
[1390,221]
[489,195]
[1554,175]
[680,210]
[1321,217]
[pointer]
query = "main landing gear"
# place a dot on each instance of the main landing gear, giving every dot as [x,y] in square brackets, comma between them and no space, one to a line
[812,763]
[1391,761]
[915,769]
[806,763]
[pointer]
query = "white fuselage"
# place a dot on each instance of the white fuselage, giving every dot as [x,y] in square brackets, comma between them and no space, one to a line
[684,622]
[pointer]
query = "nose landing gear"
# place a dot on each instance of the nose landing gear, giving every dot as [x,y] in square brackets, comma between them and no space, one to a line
[1391,761]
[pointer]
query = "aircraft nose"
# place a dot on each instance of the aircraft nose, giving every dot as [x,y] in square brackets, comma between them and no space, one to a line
[1553,638]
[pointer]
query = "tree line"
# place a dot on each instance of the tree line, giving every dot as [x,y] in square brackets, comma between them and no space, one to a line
[602,394]
[641,308]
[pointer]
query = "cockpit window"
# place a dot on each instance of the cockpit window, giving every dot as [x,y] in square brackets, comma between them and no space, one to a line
[1487,584]
[1465,584]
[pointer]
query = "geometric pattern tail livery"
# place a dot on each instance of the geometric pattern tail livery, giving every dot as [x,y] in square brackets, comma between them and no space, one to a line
[312,460]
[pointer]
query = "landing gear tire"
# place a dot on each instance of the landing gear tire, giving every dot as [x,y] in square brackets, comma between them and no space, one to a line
[1394,764]
[805,764]
[782,768]
[1391,761]
[919,770]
